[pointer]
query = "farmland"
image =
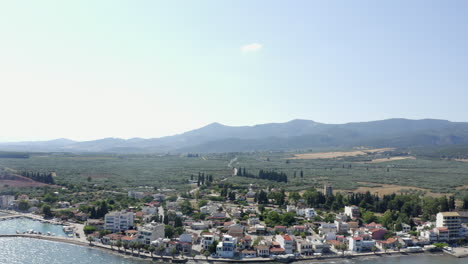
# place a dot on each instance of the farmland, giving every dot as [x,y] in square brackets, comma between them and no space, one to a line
[375,172]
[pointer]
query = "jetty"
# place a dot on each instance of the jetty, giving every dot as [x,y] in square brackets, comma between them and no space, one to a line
[458,252]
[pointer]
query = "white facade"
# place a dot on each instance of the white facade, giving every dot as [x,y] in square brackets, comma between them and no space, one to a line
[285,242]
[307,212]
[150,232]
[119,221]
[352,211]
[450,220]
[227,247]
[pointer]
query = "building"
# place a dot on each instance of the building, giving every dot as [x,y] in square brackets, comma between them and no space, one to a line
[304,247]
[286,242]
[352,211]
[307,212]
[246,253]
[207,240]
[358,244]
[6,200]
[263,251]
[227,247]
[119,221]
[150,232]
[328,190]
[450,220]
[443,234]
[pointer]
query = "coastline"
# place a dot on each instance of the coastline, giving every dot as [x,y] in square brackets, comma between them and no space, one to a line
[198,259]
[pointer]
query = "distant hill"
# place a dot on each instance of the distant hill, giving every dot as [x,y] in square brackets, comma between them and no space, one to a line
[295,134]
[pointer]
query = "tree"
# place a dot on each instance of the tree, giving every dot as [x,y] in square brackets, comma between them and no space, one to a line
[161,250]
[90,239]
[23,205]
[369,217]
[173,252]
[118,244]
[89,229]
[151,248]
[47,211]
[374,249]
[212,248]
[169,231]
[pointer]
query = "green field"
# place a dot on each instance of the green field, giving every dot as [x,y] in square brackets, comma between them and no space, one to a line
[173,171]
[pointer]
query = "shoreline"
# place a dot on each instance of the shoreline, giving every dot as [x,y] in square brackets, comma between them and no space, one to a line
[198,259]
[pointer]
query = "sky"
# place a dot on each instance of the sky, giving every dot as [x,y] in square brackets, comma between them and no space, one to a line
[86,70]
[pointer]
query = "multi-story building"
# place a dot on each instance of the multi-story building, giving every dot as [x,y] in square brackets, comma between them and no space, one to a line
[450,220]
[227,247]
[307,212]
[352,211]
[328,190]
[304,247]
[119,221]
[150,232]
[207,240]
[285,242]
[358,244]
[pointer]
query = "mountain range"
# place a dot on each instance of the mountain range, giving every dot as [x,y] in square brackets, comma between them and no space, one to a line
[292,135]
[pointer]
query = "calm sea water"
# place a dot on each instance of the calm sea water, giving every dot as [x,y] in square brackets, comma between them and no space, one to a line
[34,251]
[8,227]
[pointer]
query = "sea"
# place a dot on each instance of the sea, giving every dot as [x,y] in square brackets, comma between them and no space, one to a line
[16,250]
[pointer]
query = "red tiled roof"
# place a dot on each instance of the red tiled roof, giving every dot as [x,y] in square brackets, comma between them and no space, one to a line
[277,250]
[357,238]
[287,238]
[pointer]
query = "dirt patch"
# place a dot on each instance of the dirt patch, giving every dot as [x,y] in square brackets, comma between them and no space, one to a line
[462,187]
[331,155]
[462,160]
[386,189]
[19,181]
[389,159]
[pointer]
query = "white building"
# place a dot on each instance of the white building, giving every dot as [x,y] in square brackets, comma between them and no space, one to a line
[119,221]
[207,240]
[307,212]
[150,210]
[450,220]
[285,242]
[150,232]
[352,211]
[304,247]
[227,247]
[6,200]
[358,244]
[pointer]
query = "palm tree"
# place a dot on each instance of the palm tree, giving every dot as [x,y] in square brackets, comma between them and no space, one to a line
[151,249]
[138,246]
[90,239]
[173,252]
[161,250]
[118,244]
[132,246]
[399,246]
[374,249]
[125,247]
[112,245]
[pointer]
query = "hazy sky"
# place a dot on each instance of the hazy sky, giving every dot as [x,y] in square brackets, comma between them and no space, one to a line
[93,69]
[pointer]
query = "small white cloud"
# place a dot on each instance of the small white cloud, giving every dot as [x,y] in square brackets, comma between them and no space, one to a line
[252,47]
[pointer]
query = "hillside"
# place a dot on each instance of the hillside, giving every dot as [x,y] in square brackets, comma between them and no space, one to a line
[295,134]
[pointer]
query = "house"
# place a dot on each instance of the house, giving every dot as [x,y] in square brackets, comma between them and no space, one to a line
[236,231]
[286,242]
[150,232]
[184,247]
[246,242]
[118,221]
[6,200]
[378,234]
[326,228]
[304,247]
[280,229]
[206,240]
[443,234]
[358,244]
[253,221]
[150,210]
[63,204]
[299,228]
[226,248]
[450,220]
[405,228]
[341,227]
[352,211]
[319,246]
[111,238]
[199,226]
[246,253]
[429,235]
[80,216]
[390,243]
[263,251]
[96,223]
[306,212]
[373,225]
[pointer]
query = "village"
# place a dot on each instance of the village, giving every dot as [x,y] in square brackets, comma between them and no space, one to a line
[249,225]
